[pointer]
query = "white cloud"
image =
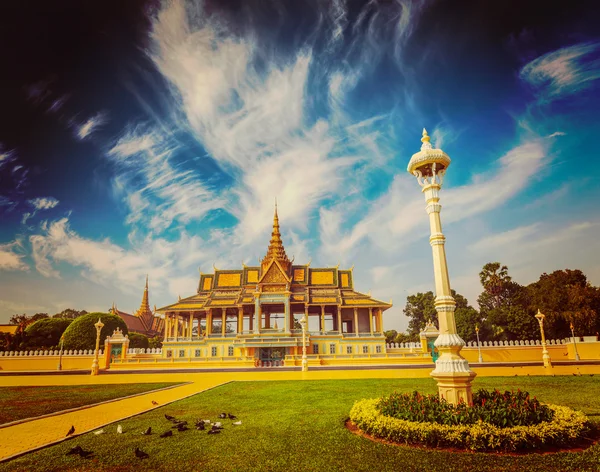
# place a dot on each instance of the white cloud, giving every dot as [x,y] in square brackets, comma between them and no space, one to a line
[43,203]
[11,259]
[91,125]
[564,71]
[513,236]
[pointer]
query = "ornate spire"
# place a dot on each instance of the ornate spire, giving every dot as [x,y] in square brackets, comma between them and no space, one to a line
[425,140]
[276,250]
[144,312]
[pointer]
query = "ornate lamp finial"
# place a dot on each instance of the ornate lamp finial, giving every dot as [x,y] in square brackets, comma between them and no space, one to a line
[425,140]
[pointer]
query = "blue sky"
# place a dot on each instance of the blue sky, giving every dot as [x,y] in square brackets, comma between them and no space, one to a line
[153,138]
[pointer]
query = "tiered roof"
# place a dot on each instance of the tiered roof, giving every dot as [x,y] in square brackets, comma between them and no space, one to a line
[276,274]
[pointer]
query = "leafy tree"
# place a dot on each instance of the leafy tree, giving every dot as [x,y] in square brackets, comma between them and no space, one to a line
[565,297]
[81,333]
[39,316]
[406,338]
[70,314]
[505,305]
[46,332]
[6,341]
[467,318]
[390,336]
[155,342]
[420,308]
[138,341]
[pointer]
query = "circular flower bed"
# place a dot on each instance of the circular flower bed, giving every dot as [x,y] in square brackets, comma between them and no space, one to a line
[510,423]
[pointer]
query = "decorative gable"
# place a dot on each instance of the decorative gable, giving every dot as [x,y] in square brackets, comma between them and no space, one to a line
[274,275]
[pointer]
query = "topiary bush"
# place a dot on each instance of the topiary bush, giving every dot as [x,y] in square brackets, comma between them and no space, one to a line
[565,428]
[138,341]
[46,333]
[81,333]
[503,409]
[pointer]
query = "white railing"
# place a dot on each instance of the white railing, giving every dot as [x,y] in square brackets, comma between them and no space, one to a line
[526,342]
[141,350]
[416,345]
[51,352]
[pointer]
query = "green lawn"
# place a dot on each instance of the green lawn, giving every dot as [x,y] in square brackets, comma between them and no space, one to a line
[299,426]
[17,403]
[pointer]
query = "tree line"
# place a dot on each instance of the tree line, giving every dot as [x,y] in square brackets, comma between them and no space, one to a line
[42,331]
[507,309]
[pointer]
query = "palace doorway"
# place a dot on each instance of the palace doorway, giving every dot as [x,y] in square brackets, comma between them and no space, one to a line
[271,356]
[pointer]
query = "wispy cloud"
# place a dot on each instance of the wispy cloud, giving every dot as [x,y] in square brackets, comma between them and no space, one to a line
[43,203]
[91,125]
[12,256]
[564,71]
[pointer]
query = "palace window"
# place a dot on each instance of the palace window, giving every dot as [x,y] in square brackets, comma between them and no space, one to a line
[332,349]
[348,349]
[197,353]
[365,349]
[169,353]
[315,348]
[378,349]
[182,353]
[230,351]
[213,351]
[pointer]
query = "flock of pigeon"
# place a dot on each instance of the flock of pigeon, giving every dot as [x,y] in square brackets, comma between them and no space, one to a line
[179,425]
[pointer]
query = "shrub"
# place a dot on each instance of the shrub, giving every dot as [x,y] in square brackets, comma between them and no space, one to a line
[46,333]
[81,333]
[565,427]
[138,340]
[503,409]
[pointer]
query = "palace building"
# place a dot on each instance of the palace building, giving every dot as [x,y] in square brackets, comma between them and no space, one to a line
[253,315]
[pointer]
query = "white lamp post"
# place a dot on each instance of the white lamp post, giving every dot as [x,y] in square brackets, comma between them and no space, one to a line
[452,371]
[574,342]
[304,322]
[545,354]
[95,365]
[62,340]
[478,344]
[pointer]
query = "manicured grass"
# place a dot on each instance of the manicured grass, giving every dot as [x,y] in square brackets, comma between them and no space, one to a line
[299,426]
[17,403]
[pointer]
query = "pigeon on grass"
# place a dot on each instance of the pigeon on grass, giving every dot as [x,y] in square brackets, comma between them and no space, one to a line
[141,454]
[169,417]
[166,434]
[120,429]
[237,423]
[148,431]
[100,431]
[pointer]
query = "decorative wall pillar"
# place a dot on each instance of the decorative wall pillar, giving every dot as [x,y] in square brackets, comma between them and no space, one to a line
[167,327]
[191,324]
[356,321]
[209,322]
[176,326]
[322,318]
[339,319]
[257,314]
[240,323]
[223,321]
[371,320]
[286,315]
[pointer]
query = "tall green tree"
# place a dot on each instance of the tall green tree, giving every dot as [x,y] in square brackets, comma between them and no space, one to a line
[390,335]
[70,313]
[565,297]
[505,305]
[420,308]
[46,332]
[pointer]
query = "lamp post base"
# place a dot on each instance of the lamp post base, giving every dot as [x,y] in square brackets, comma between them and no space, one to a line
[95,368]
[452,372]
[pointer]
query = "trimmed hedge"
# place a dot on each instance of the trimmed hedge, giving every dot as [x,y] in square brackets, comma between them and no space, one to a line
[81,333]
[567,426]
[46,333]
